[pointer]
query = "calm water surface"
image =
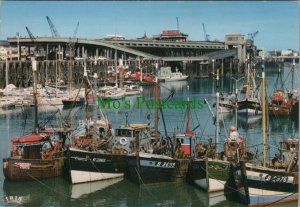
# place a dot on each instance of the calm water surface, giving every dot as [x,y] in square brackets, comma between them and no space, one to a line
[58,192]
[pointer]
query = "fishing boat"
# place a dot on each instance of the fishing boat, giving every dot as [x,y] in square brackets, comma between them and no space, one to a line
[227,103]
[72,102]
[250,104]
[266,184]
[159,163]
[38,155]
[282,101]
[208,168]
[132,90]
[57,85]
[93,159]
[166,74]
[97,151]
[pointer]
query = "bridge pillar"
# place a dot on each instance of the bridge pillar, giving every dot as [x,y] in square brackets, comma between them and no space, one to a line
[97,53]
[82,51]
[29,51]
[230,67]
[222,67]
[47,51]
[59,50]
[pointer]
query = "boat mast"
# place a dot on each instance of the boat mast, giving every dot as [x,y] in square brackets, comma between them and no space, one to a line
[56,72]
[298,118]
[248,78]
[217,116]
[293,71]
[263,107]
[187,131]
[70,70]
[86,90]
[116,64]
[141,70]
[34,68]
[156,101]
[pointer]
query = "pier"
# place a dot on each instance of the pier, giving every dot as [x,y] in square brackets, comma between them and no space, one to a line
[194,58]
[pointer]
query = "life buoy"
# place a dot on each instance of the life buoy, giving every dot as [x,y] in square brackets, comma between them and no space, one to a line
[123,141]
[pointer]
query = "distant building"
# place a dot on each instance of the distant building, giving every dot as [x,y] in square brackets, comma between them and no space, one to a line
[6,51]
[287,52]
[114,37]
[236,40]
[171,35]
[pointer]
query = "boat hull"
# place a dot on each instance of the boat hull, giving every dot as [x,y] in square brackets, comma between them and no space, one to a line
[71,103]
[258,186]
[86,166]
[147,170]
[279,110]
[249,108]
[209,175]
[32,169]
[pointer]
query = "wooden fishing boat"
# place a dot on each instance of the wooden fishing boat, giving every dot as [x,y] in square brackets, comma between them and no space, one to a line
[35,157]
[161,163]
[92,157]
[208,168]
[98,154]
[250,104]
[281,103]
[260,186]
[38,155]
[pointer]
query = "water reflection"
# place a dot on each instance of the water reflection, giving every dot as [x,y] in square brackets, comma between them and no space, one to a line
[116,192]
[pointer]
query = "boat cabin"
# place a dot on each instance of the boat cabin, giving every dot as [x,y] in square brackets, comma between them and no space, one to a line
[184,143]
[125,138]
[288,148]
[234,146]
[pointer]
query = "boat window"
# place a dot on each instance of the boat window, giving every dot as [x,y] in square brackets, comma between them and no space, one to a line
[283,146]
[179,140]
[101,130]
[124,132]
[277,102]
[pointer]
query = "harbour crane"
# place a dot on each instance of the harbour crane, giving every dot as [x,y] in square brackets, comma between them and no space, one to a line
[206,36]
[52,28]
[75,31]
[251,36]
[177,23]
[30,35]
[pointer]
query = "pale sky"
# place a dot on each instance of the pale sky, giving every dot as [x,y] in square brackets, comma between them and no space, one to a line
[277,22]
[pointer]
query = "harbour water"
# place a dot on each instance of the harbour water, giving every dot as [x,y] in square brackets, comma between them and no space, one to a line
[59,192]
